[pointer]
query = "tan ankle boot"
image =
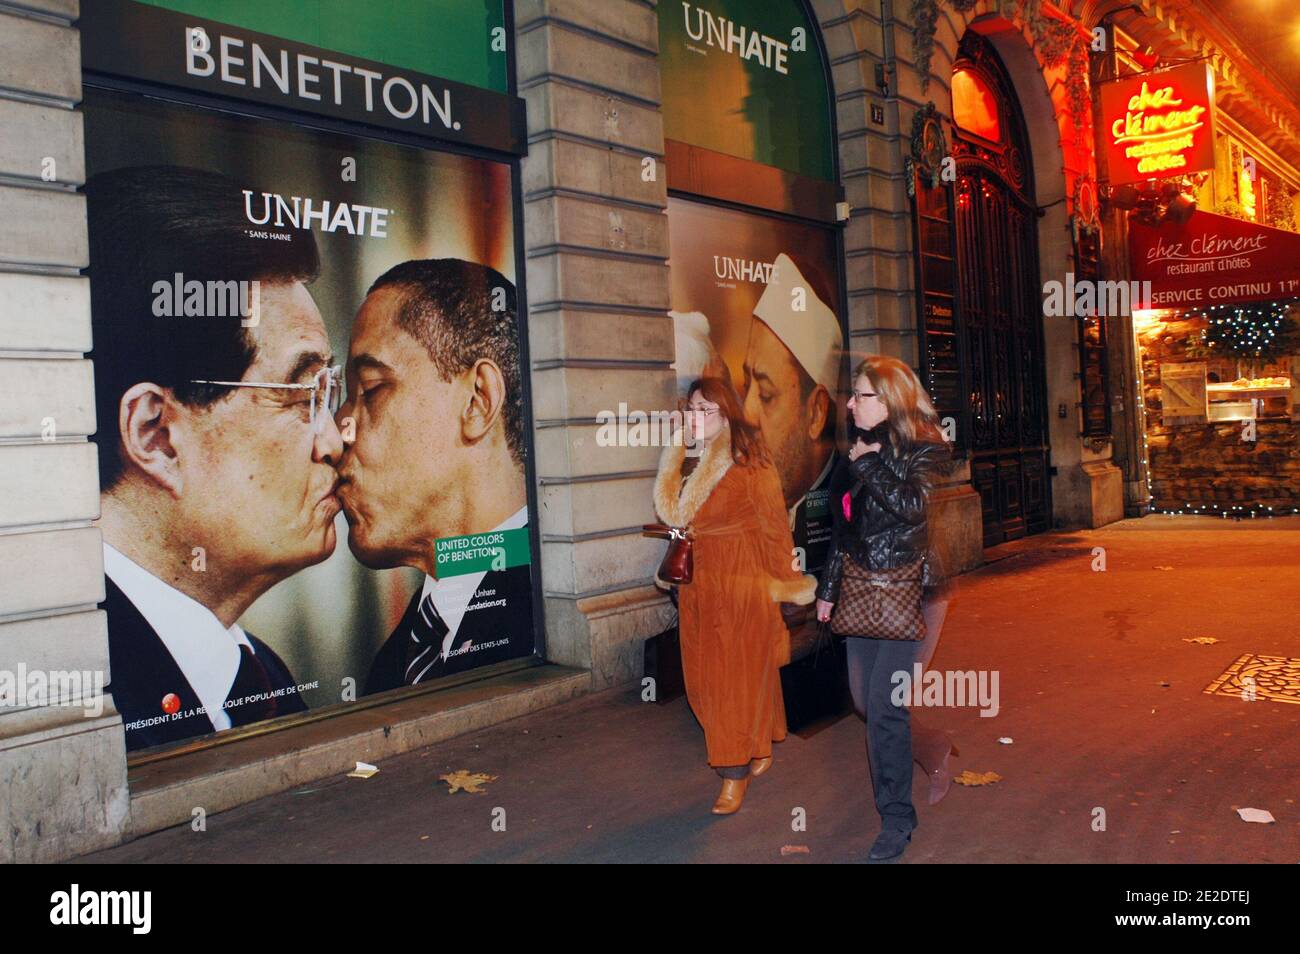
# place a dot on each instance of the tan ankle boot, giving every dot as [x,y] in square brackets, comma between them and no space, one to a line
[758,766]
[732,794]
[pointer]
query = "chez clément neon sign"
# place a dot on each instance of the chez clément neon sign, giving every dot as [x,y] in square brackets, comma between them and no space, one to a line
[1160,123]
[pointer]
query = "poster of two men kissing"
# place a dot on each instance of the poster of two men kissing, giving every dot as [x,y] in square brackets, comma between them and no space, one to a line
[318,493]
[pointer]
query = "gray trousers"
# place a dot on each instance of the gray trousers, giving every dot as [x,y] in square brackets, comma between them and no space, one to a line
[872,664]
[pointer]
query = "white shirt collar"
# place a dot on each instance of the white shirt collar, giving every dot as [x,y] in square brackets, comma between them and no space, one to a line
[206,652]
[452,595]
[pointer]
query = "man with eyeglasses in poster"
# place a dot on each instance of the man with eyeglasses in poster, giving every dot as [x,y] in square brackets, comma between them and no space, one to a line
[217,448]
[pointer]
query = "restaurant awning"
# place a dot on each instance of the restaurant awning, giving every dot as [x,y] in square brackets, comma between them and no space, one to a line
[1214,259]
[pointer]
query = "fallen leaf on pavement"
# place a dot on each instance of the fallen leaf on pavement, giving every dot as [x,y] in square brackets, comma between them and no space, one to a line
[967,777]
[1201,640]
[1164,568]
[465,780]
[1260,815]
[794,849]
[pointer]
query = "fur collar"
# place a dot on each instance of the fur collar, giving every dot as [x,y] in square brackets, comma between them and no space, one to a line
[676,503]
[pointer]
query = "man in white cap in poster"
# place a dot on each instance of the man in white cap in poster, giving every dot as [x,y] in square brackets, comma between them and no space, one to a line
[792,373]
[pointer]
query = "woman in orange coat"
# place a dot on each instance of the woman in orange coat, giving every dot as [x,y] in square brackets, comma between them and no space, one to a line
[733,638]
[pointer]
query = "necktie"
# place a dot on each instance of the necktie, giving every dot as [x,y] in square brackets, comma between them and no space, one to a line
[425,645]
[250,681]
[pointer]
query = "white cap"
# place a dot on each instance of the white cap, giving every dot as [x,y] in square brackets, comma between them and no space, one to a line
[694,349]
[813,335]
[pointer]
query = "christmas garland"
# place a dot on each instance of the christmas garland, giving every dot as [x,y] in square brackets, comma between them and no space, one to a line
[1262,331]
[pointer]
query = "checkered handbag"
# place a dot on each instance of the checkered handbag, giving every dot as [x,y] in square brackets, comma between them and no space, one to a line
[885,604]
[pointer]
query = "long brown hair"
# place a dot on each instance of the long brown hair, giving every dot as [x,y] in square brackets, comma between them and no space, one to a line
[747,447]
[912,419]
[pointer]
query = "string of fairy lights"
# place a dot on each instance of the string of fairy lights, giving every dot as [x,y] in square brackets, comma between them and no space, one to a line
[1228,512]
[1261,331]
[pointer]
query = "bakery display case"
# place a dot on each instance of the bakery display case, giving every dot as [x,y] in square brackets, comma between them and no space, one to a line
[1249,399]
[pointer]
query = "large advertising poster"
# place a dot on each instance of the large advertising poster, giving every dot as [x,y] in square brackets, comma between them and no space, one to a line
[757,299]
[311,424]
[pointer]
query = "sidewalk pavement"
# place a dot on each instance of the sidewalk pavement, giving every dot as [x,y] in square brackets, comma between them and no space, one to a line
[1100,692]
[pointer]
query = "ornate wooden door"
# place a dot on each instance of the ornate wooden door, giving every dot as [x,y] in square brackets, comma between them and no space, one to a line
[1000,293]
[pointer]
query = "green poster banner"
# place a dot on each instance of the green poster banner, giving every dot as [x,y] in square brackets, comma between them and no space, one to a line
[746,79]
[480,552]
[448,38]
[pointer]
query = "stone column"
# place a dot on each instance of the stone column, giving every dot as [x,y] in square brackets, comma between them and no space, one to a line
[62,759]
[861,36]
[595,232]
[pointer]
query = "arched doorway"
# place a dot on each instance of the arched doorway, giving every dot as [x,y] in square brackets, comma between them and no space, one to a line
[1001,326]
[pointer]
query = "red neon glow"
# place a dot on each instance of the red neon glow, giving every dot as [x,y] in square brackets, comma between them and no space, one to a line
[974,107]
[1159,124]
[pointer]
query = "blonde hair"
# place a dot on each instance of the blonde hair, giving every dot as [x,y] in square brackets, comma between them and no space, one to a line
[912,418]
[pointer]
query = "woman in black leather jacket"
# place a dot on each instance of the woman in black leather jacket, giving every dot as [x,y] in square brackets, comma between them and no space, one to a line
[880,499]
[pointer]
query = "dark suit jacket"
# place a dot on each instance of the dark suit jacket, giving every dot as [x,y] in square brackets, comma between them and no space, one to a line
[813,521]
[812,530]
[142,672]
[483,623]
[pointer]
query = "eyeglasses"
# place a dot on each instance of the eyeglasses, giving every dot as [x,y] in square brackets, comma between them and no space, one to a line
[707,412]
[326,392]
[863,395]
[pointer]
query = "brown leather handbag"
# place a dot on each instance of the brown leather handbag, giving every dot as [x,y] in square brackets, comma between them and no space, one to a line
[678,564]
[885,604]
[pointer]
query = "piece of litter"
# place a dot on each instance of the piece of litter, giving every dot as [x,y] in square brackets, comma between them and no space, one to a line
[1006,740]
[1176,831]
[363,770]
[424,838]
[794,850]
[1201,640]
[1263,816]
[967,777]
[1164,568]
[307,791]
[464,780]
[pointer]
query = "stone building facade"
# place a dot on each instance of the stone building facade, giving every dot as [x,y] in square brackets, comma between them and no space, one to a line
[595,233]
